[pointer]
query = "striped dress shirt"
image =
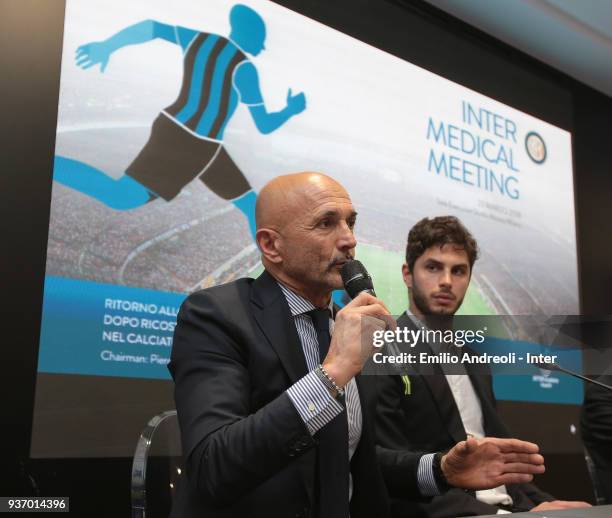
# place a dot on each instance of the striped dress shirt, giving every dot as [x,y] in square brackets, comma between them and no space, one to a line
[317,407]
[311,398]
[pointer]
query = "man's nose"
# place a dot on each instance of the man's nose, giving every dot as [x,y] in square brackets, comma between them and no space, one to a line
[346,240]
[446,278]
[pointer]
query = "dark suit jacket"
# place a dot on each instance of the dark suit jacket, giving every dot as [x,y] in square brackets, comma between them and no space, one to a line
[247,451]
[428,420]
[596,422]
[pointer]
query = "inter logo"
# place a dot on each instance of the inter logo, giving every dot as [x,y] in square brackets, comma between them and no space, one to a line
[535,147]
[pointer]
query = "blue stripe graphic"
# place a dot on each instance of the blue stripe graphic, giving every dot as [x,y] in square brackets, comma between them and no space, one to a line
[205,124]
[197,77]
[106,330]
[534,385]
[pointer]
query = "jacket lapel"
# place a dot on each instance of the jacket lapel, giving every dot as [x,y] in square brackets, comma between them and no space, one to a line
[443,396]
[273,317]
[436,382]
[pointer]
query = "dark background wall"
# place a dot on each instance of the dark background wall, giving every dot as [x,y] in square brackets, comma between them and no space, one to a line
[30,51]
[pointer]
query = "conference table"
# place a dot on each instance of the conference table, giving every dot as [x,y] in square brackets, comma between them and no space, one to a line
[599,511]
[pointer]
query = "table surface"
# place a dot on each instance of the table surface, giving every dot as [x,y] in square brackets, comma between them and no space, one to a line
[600,511]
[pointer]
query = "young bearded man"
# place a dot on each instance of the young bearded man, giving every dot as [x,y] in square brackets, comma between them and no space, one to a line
[430,410]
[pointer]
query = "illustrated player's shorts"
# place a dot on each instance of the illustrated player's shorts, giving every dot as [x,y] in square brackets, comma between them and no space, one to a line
[173,157]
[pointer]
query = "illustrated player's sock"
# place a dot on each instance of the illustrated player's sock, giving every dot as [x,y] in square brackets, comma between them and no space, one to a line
[340,297]
[246,203]
[122,194]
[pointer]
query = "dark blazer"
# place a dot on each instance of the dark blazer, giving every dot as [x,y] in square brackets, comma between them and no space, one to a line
[596,423]
[247,451]
[427,419]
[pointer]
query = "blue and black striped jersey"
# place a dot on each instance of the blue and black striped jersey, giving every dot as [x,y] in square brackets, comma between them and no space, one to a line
[208,96]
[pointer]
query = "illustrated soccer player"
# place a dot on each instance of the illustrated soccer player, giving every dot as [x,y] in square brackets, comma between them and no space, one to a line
[186,140]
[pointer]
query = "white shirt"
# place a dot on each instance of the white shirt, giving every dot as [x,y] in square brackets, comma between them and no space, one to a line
[470,412]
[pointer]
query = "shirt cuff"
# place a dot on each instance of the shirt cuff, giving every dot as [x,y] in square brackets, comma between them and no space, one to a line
[425,476]
[503,511]
[313,402]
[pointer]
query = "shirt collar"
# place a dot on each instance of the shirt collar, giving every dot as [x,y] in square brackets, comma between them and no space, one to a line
[298,305]
[434,346]
[415,319]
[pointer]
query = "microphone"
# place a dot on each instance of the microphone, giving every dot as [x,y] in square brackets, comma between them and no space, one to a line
[356,279]
[549,366]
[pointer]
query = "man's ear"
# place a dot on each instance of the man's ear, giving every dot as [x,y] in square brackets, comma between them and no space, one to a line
[268,241]
[406,275]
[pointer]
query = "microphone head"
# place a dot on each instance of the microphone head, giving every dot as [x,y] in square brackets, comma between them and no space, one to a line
[356,278]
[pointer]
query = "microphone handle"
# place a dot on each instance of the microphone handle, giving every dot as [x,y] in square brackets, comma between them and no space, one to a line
[556,367]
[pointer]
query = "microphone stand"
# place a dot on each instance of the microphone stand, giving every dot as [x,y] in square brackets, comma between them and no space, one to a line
[555,367]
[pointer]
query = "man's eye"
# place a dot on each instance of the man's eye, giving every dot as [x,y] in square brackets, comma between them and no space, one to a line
[325,223]
[432,267]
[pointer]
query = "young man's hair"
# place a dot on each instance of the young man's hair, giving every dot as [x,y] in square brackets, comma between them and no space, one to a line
[438,232]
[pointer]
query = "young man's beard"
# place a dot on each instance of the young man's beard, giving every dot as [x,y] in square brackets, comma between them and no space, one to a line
[420,301]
